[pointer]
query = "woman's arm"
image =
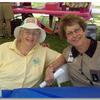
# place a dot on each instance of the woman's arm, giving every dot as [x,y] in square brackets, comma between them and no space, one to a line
[51,68]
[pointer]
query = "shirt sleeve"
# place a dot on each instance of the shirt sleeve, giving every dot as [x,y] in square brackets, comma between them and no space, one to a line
[51,56]
[66,52]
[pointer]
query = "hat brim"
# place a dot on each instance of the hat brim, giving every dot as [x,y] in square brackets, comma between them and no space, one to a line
[30,26]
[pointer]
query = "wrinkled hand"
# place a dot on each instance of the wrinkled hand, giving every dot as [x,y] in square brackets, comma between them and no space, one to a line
[49,76]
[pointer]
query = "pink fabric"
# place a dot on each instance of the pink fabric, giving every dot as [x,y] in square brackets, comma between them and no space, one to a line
[52,6]
[86,15]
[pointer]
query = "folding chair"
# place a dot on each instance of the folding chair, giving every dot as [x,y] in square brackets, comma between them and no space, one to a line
[91,30]
[63,77]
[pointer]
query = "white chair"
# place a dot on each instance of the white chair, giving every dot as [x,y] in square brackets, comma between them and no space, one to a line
[63,77]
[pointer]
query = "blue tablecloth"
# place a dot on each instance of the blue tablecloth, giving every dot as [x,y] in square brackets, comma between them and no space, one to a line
[53,92]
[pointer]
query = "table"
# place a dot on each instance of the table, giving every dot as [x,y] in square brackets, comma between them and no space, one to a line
[53,92]
[58,13]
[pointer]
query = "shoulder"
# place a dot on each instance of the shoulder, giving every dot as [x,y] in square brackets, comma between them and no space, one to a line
[98,45]
[4,48]
[66,51]
[42,48]
[5,45]
[98,42]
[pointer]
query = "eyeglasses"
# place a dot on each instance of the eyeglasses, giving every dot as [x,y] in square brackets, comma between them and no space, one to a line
[75,31]
[33,32]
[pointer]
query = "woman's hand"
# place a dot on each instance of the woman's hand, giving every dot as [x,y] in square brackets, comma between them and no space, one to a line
[49,76]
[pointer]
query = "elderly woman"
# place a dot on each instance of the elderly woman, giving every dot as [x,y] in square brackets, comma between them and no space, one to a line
[23,61]
[83,53]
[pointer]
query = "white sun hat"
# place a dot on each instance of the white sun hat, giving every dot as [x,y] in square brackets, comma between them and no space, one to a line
[30,25]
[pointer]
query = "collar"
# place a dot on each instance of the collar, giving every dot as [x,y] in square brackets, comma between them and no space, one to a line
[13,47]
[90,52]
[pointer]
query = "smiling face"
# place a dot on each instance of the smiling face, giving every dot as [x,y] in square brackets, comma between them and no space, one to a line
[75,35]
[29,37]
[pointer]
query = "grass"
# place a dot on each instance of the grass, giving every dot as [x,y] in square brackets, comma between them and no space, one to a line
[56,43]
[38,4]
[3,40]
[97,22]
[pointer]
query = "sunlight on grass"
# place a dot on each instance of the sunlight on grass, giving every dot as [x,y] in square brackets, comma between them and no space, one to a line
[37,4]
